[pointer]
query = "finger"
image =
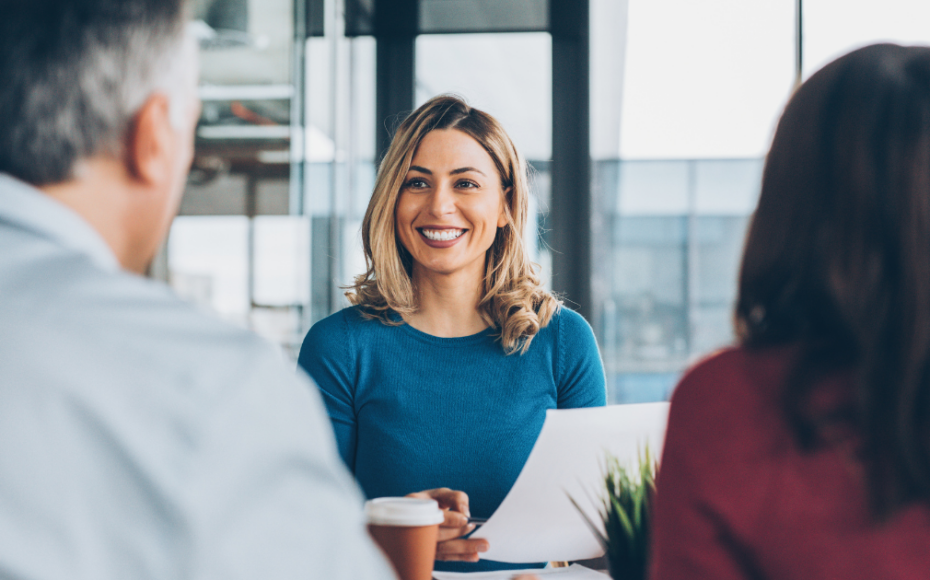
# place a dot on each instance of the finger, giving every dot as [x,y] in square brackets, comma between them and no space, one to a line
[526,577]
[431,493]
[459,558]
[453,499]
[447,498]
[461,548]
[451,533]
[454,519]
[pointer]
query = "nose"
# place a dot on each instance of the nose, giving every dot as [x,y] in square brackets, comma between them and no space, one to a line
[442,201]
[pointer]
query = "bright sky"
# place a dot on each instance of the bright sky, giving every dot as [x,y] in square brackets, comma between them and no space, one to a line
[833,27]
[704,79]
[709,79]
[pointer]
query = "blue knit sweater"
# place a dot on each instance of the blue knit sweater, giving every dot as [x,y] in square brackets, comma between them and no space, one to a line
[412,411]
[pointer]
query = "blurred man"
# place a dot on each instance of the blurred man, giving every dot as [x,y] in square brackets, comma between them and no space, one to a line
[140,438]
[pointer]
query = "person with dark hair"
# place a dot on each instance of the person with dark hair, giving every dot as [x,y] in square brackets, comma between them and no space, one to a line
[141,438]
[804,452]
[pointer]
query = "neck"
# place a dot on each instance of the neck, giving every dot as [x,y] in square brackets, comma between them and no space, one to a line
[448,304]
[97,193]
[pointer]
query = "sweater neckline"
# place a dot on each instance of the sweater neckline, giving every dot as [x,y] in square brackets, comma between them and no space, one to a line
[444,340]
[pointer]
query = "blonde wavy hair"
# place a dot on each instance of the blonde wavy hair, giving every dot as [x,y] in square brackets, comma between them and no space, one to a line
[513,299]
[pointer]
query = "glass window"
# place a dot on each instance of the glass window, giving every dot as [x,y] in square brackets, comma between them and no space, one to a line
[451,16]
[437,16]
[226,251]
[676,233]
[702,87]
[684,99]
[208,263]
[340,171]
[270,219]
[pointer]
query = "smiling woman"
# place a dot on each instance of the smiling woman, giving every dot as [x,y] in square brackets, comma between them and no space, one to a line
[441,373]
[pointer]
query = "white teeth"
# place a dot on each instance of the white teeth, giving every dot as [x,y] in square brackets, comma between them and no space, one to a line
[442,235]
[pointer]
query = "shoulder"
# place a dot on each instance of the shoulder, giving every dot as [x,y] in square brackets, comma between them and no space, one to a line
[571,323]
[570,332]
[326,339]
[333,324]
[578,369]
[348,320]
[730,395]
[734,373]
[565,322]
[156,323]
[339,336]
[348,325]
[121,340]
[708,385]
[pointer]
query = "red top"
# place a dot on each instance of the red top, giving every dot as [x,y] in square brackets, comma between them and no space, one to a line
[736,498]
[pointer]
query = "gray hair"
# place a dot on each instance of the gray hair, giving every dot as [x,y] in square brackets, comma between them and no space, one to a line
[76,73]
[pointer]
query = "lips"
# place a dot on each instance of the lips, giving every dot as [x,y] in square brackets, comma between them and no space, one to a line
[441,237]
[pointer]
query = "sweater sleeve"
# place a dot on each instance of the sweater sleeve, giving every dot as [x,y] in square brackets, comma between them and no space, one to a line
[579,371]
[690,539]
[327,355]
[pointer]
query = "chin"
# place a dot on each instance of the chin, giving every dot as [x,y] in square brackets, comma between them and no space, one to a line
[440,269]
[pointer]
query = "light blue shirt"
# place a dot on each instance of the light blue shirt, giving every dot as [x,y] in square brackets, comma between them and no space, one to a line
[141,438]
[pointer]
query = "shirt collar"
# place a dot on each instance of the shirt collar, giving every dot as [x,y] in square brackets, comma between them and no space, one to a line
[28,208]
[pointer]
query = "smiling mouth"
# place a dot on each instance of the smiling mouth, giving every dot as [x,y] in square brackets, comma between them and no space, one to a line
[443,235]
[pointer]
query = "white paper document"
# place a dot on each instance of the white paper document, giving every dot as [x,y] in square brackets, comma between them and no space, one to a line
[573,572]
[536,521]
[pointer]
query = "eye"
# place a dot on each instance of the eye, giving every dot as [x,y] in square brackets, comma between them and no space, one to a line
[415,183]
[467,184]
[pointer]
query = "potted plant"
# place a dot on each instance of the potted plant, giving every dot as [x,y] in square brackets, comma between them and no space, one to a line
[625,507]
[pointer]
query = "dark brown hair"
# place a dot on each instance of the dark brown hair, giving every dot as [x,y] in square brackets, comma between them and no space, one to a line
[837,260]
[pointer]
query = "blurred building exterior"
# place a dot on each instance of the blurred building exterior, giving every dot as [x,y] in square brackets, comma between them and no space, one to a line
[645,121]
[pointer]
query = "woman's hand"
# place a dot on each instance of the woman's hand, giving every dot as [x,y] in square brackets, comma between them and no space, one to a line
[451,545]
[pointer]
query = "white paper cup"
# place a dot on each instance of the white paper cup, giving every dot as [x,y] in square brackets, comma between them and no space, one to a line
[406,529]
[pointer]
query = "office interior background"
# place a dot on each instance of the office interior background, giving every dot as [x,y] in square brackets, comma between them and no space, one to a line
[645,122]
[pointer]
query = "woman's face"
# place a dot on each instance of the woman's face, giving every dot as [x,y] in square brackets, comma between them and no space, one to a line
[450,205]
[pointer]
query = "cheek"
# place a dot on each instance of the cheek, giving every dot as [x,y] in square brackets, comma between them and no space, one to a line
[403,217]
[402,236]
[491,216]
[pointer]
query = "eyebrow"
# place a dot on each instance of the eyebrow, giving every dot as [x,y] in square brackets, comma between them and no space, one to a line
[453,172]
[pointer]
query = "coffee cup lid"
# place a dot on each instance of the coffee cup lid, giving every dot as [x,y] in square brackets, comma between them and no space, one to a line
[403,511]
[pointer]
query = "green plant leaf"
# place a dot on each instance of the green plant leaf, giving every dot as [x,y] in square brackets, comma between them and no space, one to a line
[625,506]
[624,518]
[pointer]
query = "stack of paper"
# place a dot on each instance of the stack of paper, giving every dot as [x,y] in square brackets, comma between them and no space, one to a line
[536,521]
